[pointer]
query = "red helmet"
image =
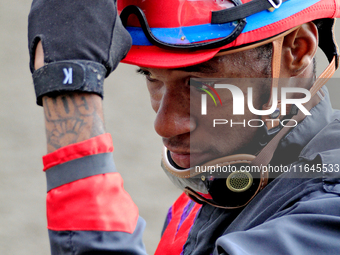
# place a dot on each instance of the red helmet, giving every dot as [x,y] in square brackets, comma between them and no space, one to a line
[178,33]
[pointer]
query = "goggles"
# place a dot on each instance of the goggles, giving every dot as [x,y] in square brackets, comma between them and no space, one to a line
[205,36]
[228,20]
[178,33]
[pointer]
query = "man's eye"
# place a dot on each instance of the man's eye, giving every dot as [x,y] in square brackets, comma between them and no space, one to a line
[199,86]
[146,73]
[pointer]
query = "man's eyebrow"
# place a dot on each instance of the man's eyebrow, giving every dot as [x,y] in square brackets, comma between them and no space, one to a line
[200,68]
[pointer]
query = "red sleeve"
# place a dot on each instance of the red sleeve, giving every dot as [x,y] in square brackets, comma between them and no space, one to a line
[98,202]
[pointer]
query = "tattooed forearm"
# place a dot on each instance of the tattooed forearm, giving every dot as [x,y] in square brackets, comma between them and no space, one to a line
[72,118]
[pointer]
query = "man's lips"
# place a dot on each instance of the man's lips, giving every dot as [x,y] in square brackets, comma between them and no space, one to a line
[185,154]
[182,160]
[187,160]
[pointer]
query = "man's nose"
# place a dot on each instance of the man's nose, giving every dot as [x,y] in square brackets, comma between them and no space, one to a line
[173,116]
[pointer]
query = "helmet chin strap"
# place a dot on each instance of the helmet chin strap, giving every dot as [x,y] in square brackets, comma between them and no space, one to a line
[275,70]
[266,154]
[264,157]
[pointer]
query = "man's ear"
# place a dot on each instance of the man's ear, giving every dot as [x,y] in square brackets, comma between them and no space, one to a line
[299,48]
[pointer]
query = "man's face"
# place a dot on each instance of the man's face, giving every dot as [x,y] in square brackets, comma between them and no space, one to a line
[189,137]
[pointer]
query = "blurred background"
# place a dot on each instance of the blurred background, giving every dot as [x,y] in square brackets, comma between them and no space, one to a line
[129,118]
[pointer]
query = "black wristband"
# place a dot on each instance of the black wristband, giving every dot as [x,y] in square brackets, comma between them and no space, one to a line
[67,76]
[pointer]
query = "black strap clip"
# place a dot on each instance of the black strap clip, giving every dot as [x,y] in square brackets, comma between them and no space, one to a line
[275,4]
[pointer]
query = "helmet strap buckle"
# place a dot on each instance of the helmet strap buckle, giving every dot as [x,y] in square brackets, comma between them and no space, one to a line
[275,4]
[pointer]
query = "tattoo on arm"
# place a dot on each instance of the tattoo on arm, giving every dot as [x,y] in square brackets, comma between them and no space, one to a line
[72,118]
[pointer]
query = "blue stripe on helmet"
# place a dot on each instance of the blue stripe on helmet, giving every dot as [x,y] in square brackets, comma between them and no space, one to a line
[199,33]
[183,35]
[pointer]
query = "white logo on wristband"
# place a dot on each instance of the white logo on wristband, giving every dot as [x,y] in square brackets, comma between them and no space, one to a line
[68,75]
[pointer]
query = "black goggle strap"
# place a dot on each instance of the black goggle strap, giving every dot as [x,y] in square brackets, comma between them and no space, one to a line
[133,9]
[242,11]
